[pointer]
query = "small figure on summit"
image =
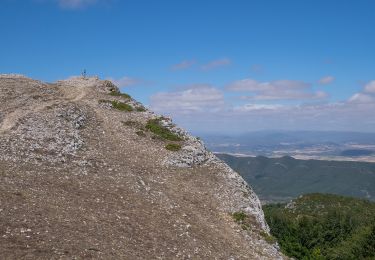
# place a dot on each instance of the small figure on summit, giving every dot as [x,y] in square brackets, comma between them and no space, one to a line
[84,73]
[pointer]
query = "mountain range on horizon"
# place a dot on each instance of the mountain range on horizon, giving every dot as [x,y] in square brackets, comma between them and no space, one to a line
[321,145]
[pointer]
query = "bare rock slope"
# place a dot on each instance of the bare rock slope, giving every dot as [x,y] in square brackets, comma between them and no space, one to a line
[87,172]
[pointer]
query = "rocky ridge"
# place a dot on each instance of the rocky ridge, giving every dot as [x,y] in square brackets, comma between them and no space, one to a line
[79,161]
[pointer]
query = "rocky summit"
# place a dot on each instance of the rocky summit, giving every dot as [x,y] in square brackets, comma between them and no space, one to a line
[88,172]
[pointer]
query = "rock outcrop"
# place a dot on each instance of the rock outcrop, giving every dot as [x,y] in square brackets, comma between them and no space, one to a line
[88,172]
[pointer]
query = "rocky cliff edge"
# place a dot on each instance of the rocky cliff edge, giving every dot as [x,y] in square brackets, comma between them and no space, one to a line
[88,172]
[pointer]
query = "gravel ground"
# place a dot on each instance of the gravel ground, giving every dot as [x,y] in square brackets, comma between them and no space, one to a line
[81,179]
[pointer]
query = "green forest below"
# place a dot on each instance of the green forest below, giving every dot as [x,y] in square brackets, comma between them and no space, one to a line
[278,180]
[324,226]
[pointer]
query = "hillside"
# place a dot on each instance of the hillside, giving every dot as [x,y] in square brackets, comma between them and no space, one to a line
[88,172]
[323,226]
[281,179]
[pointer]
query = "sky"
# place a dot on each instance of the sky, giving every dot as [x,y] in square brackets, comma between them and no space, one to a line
[228,66]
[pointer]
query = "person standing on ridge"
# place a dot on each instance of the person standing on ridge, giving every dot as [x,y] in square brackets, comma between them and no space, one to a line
[84,73]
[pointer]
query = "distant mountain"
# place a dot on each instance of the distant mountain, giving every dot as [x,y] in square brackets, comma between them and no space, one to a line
[281,179]
[318,145]
[274,137]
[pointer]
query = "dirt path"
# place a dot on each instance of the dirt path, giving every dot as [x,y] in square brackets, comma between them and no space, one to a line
[70,94]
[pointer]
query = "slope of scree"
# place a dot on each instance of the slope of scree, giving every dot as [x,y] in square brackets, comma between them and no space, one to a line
[87,172]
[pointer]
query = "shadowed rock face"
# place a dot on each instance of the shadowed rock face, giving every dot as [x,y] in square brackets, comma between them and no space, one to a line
[82,176]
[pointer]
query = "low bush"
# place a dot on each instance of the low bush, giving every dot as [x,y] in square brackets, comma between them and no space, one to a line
[239,217]
[117,94]
[269,238]
[140,109]
[155,127]
[244,220]
[121,106]
[173,147]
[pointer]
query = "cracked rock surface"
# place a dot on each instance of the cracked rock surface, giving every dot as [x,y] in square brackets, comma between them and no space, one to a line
[81,178]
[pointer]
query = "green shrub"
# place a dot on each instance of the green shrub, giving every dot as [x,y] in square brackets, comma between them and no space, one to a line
[239,217]
[117,94]
[121,106]
[155,127]
[173,147]
[244,220]
[269,238]
[141,109]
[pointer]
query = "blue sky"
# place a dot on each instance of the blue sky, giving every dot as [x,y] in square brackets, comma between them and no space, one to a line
[214,66]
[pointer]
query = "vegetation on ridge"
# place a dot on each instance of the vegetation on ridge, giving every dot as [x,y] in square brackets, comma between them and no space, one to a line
[119,94]
[243,219]
[155,127]
[121,106]
[173,147]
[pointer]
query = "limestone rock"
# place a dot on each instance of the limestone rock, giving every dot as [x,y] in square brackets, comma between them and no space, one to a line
[80,178]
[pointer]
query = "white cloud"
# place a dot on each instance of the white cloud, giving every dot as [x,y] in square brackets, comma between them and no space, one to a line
[125,81]
[361,98]
[367,95]
[253,85]
[276,90]
[76,4]
[370,87]
[326,80]
[288,96]
[183,65]
[257,107]
[216,64]
[195,98]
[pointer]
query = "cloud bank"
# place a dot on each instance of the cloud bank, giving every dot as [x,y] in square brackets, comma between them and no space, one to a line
[206,108]
[276,90]
[366,96]
[195,98]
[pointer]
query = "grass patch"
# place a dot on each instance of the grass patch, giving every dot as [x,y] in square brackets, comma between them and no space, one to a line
[242,219]
[137,125]
[155,127]
[239,216]
[140,109]
[121,106]
[173,147]
[269,238]
[118,94]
